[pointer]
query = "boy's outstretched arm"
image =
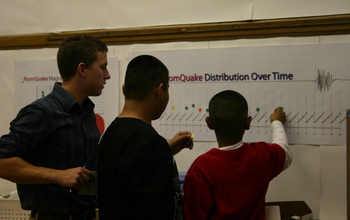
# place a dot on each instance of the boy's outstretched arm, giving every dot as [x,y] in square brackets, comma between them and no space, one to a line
[279,136]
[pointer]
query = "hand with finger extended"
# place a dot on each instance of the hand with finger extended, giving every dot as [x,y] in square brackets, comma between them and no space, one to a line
[279,115]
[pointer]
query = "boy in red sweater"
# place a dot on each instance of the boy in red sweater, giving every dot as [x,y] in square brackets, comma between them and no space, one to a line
[230,182]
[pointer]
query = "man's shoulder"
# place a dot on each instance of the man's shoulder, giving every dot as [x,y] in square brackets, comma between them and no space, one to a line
[207,156]
[127,127]
[263,144]
[38,105]
[134,123]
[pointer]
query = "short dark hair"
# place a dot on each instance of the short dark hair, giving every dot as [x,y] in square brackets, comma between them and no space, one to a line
[78,49]
[228,112]
[144,73]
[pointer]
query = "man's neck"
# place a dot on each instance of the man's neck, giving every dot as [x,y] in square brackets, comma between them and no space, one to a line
[74,92]
[138,110]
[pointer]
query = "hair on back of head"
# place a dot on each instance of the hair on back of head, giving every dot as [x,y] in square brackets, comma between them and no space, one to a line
[143,74]
[78,49]
[228,111]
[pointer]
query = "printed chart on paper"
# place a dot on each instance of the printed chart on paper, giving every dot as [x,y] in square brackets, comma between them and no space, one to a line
[310,82]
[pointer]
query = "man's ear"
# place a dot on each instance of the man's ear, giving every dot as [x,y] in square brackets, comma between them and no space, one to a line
[123,89]
[207,120]
[160,89]
[81,69]
[247,123]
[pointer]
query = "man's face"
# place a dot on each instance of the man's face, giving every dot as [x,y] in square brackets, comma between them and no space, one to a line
[96,75]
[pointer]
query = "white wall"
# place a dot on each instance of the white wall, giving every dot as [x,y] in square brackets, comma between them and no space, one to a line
[318,174]
[32,16]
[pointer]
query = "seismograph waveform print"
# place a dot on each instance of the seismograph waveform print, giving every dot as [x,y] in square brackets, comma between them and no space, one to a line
[324,80]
